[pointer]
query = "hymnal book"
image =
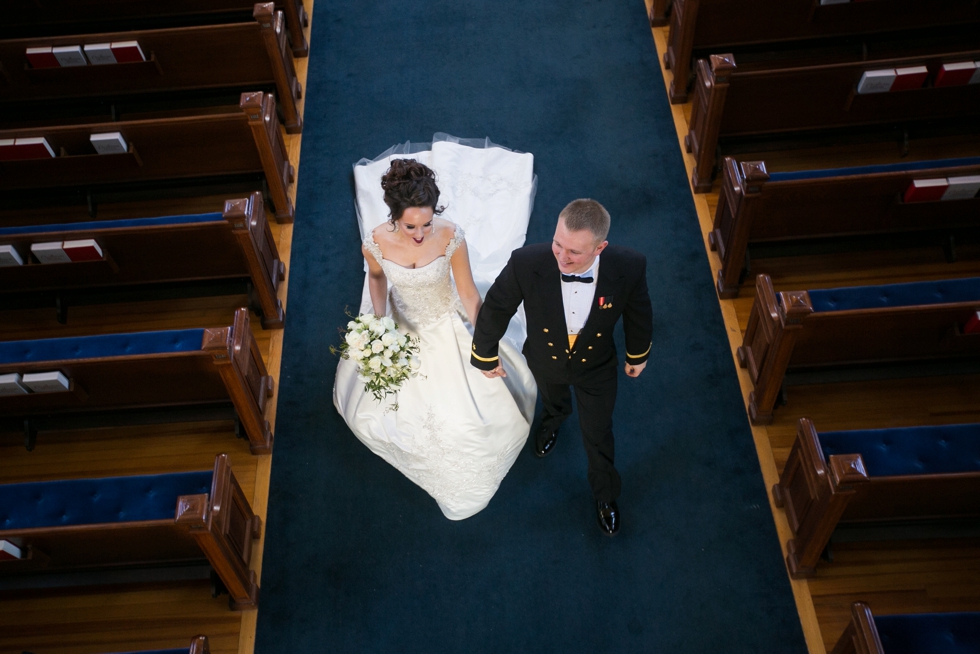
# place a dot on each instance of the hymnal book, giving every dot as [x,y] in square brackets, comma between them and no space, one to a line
[955,74]
[42,58]
[83,250]
[962,188]
[9,256]
[909,78]
[50,252]
[99,53]
[972,325]
[69,55]
[36,147]
[127,51]
[10,385]
[45,382]
[7,150]
[925,190]
[10,551]
[876,81]
[109,143]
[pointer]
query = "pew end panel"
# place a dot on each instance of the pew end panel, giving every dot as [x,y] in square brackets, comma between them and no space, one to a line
[860,636]
[774,325]
[199,645]
[710,91]
[814,493]
[260,110]
[223,525]
[236,356]
[658,13]
[738,206]
[251,229]
[680,43]
[288,87]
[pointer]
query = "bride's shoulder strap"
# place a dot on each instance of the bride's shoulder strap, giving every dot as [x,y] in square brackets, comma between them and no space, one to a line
[372,247]
[457,238]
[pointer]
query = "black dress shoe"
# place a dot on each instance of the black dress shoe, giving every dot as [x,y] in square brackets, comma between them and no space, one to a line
[607,515]
[545,441]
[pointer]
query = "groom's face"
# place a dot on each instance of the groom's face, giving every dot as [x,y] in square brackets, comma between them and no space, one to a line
[575,251]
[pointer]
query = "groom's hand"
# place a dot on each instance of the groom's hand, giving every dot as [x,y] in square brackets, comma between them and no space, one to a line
[496,372]
[634,371]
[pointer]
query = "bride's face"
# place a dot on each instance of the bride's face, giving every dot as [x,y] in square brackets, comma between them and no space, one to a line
[416,224]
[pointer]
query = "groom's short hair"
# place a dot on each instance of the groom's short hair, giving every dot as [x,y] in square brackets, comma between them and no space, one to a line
[586,214]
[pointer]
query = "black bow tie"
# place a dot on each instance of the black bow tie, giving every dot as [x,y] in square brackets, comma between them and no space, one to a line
[576,278]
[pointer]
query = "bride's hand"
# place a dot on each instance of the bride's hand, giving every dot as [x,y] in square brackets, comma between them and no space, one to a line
[496,372]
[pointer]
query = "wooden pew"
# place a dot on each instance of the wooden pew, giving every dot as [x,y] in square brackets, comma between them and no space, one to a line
[756,206]
[228,141]
[242,55]
[705,27]
[935,633]
[172,368]
[799,330]
[119,523]
[234,243]
[874,476]
[731,102]
[199,645]
[33,18]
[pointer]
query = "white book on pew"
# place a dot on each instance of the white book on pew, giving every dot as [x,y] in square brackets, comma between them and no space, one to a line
[876,81]
[46,382]
[10,551]
[9,256]
[50,252]
[85,249]
[962,188]
[10,384]
[69,55]
[108,143]
[99,54]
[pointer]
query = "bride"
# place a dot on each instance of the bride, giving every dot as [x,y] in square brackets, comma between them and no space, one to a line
[455,433]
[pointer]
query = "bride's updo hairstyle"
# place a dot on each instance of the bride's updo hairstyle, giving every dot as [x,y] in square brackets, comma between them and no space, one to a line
[408,184]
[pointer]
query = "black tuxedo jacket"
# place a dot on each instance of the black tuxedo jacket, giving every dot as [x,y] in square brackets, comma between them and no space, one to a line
[532,276]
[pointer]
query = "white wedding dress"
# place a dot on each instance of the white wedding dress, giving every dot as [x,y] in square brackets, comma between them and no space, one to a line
[455,432]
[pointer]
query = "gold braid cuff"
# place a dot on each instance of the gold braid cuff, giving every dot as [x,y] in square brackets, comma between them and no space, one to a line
[639,356]
[479,358]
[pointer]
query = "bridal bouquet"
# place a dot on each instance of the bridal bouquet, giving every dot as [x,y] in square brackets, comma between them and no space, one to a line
[384,356]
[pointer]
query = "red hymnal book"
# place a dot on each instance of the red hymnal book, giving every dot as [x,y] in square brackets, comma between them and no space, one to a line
[42,58]
[972,325]
[7,150]
[909,78]
[925,190]
[127,51]
[32,148]
[84,250]
[955,74]
[9,551]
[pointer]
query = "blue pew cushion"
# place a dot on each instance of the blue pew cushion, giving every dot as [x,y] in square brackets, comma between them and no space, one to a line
[910,166]
[68,502]
[944,291]
[188,219]
[102,345]
[909,450]
[935,633]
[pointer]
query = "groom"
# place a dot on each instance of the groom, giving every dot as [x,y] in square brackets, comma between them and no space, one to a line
[572,302]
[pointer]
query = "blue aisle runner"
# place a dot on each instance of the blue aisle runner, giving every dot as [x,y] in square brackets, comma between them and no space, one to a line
[357,558]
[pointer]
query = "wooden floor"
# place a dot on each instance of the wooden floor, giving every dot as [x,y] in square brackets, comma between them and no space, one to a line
[896,576]
[167,616]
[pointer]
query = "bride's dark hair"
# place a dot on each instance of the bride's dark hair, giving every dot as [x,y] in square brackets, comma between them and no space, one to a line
[408,184]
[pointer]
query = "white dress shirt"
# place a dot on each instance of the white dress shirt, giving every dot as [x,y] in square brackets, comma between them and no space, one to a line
[577,299]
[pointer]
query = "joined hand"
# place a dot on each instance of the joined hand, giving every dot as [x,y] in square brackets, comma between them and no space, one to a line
[634,371]
[496,372]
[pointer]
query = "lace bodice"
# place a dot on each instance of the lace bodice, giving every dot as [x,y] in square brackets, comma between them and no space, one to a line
[421,296]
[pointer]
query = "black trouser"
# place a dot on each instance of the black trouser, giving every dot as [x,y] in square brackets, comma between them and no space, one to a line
[595,395]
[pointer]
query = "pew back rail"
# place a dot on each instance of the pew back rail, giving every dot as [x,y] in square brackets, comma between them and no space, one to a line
[137,521]
[936,633]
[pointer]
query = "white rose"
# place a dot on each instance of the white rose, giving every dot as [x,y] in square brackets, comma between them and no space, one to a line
[388,323]
[352,338]
[402,340]
[356,354]
[351,325]
[377,328]
[402,362]
[377,346]
[414,363]
[388,339]
[374,364]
